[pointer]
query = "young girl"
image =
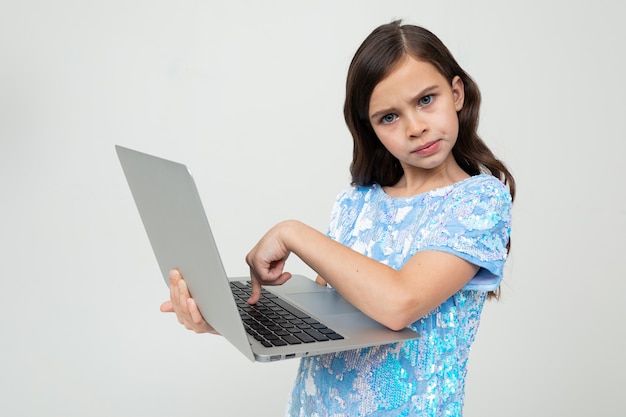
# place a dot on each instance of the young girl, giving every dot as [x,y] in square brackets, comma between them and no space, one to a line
[420,239]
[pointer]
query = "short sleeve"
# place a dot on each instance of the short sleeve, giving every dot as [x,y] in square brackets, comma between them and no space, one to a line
[344,213]
[474,223]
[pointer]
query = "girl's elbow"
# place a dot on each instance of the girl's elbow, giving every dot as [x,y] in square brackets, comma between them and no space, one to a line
[399,322]
[402,316]
[396,326]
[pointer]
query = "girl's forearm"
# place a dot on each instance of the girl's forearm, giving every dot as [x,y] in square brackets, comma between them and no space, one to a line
[369,285]
[395,298]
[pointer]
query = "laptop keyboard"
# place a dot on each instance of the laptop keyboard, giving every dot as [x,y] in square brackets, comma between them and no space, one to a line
[274,322]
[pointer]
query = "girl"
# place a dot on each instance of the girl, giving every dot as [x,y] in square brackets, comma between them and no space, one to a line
[420,239]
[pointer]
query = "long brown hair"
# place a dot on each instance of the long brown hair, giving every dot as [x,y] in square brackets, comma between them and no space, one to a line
[375,58]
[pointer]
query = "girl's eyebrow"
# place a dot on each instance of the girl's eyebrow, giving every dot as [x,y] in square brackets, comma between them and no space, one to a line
[426,91]
[380,113]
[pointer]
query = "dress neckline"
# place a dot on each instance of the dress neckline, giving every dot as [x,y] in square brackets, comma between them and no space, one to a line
[437,191]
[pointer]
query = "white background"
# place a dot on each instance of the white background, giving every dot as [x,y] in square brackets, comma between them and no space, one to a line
[249,95]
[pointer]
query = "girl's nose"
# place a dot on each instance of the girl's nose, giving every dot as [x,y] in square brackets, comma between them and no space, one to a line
[416,126]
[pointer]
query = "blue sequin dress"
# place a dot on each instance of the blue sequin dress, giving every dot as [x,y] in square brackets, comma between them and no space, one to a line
[426,376]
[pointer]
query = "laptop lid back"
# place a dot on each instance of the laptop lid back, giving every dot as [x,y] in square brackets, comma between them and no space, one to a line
[180,237]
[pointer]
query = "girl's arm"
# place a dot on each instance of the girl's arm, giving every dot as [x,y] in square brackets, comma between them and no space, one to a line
[394,298]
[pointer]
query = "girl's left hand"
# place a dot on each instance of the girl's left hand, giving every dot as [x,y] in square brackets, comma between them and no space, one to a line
[267,261]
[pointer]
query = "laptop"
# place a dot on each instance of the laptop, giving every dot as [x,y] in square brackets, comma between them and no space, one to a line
[304,318]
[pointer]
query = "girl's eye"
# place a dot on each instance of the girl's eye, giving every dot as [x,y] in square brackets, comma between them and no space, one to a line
[426,100]
[388,118]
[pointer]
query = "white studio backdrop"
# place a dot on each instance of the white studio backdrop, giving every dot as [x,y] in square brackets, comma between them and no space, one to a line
[249,95]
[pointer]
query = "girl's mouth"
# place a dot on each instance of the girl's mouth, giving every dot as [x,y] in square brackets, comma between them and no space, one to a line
[428,148]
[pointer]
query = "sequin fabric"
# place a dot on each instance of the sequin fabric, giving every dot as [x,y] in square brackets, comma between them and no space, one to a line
[425,376]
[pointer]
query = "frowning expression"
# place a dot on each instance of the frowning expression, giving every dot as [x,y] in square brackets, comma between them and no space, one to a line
[413,111]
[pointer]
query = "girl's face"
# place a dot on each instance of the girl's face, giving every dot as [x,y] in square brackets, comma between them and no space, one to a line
[413,111]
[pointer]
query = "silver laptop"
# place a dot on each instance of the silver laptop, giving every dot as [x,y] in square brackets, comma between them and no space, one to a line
[299,318]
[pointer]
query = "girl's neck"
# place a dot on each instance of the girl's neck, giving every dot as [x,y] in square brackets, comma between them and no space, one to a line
[417,180]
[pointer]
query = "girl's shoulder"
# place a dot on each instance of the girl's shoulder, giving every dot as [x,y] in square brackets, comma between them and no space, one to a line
[358,192]
[485,184]
[357,197]
[478,194]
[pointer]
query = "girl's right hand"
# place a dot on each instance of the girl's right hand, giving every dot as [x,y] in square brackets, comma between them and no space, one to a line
[184,306]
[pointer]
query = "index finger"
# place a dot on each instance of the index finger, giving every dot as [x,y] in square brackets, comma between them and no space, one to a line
[256,289]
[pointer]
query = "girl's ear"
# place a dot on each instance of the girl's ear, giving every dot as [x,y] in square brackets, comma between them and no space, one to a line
[458,92]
